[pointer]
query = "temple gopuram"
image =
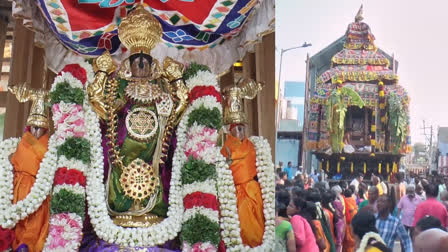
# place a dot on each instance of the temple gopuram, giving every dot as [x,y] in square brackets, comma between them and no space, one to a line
[358,115]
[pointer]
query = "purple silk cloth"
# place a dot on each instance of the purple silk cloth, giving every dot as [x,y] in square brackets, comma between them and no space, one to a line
[340,225]
[22,248]
[91,243]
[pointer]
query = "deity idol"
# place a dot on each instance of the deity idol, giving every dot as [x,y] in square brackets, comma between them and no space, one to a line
[139,106]
[241,154]
[30,233]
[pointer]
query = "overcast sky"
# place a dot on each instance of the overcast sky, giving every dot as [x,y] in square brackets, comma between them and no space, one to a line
[415,31]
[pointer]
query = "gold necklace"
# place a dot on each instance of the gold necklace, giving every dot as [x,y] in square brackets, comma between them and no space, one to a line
[142,92]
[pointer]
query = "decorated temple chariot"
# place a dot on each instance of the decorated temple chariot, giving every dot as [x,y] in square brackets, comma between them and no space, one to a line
[359,113]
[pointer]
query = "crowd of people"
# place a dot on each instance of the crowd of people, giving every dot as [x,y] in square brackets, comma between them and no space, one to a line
[357,215]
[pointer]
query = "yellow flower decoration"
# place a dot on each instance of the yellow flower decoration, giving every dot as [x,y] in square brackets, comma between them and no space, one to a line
[373,128]
[381,83]
[372,154]
[372,142]
[342,158]
[382,93]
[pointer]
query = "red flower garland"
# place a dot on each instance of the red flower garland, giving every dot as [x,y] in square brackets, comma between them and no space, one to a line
[69,176]
[198,199]
[7,236]
[200,91]
[77,71]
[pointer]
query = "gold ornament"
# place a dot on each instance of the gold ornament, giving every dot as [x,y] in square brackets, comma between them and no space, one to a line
[233,100]
[143,92]
[38,116]
[140,31]
[138,180]
[142,124]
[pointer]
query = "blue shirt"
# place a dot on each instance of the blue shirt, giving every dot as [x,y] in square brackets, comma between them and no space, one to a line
[390,228]
[288,171]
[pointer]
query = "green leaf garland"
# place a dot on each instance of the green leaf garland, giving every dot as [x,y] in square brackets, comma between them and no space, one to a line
[207,117]
[74,147]
[66,201]
[193,69]
[64,92]
[200,229]
[197,171]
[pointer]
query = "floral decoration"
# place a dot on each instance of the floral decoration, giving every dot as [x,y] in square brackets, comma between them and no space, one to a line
[75,147]
[76,71]
[67,205]
[200,91]
[64,92]
[65,232]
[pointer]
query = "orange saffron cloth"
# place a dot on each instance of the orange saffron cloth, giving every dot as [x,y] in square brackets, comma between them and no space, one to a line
[33,230]
[349,239]
[248,192]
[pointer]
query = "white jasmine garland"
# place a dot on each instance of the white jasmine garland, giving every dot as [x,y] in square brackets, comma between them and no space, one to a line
[208,186]
[203,78]
[209,213]
[365,239]
[76,189]
[71,235]
[226,191]
[206,101]
[72,163]
[10,213]
[66,77]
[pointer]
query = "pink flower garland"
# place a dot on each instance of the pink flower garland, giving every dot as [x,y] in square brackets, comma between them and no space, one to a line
[65,232]
[199,140]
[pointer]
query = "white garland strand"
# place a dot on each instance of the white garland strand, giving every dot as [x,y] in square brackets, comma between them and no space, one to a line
[365,239]
[207,186]
[203,78]
[226,190]
[66,77]
[209,213]
[10,213]
[76,189]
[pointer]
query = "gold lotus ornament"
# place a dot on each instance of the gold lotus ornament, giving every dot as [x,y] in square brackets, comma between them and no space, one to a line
[138,180]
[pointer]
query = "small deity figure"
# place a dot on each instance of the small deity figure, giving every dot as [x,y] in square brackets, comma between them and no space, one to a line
[31,233]
[240,153]
[140,106]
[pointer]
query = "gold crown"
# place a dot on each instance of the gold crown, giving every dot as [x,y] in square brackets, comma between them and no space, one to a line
[233,100]
[140,31]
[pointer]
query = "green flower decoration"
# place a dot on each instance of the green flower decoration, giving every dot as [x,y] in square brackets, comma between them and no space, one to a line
[197,171]
[67,94]
[68,202]
[200,229]
[208,117]
[75,147]
[193,69]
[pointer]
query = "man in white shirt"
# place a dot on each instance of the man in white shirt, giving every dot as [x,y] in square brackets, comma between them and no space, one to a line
[355,182]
